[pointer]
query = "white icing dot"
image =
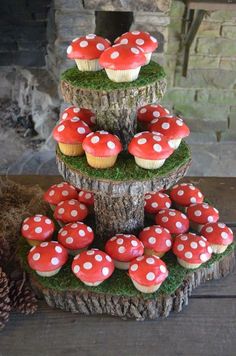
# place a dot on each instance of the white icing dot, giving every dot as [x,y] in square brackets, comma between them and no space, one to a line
[134,243]
[44,244]
[74,213]
[179,122]
[25,227]
[193,200]
[65,193]
[76,269]
[108,258]
[69,240]
[178,224]
[156,114]
[105,271]
[162,269]
[120,241]
[69,49]
[76,110]
[210,218]
[202,243]
[61,211]
[134,267]
[150,276]
[209,229]
[150,261]
[154,205]
[164,219]
[90,36]
[157,147]
[142,141]
[121,249]
[165,125]
[197,213]
[209,249]
[180,247]
[180,193]
[98,258]
[55,261]
[158,230]
[100,46]
[224,235]
[184,238]
[203,257]
[153,39]
[74,226]
[156,138]
[81,130]
[58,249]
[168,243]
[134,50]
[124,41]
[89,229]
[139,41]
[81,233]
[51,193]
[38,230]
[111,145]
[188,254]
[135,32]
[36,256]
[87,265]
[152,240]
[172,213]
[60,128]
[221,225]
[115,55]
[193,245]
[91,252]
[37,218]
[63,233]
[88,196]
[83,44]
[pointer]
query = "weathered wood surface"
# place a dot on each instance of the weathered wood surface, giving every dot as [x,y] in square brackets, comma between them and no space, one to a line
[207,326]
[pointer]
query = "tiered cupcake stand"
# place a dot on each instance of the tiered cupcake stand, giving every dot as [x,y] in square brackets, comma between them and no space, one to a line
[119,203]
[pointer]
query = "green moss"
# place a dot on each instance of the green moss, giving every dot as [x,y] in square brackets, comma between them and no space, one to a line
[99,80]
[126,169]
[119,283]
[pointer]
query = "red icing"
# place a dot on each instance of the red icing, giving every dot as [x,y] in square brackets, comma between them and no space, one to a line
[70,211]
[37,227]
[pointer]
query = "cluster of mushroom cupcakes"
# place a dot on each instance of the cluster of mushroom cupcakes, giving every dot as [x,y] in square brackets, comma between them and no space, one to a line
[180,223]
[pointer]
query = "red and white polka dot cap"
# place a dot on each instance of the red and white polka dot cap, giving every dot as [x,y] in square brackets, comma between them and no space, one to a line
[48,256]
[173,220]
[155,201]
[83,114]
[157,238]
[171,127]
[37,227]
[150,145]
[217,233]
[93,266]
[185,194]
[151,111]
[59,192]
[87,47]
[70,211]
[75,235]
[143,40]
[86,197]
[122,57]
[192,248]
[102,144]
[124,248]
[148,271]
[72,131]
[202,213]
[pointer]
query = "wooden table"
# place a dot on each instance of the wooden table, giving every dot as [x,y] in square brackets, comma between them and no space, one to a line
[207,326]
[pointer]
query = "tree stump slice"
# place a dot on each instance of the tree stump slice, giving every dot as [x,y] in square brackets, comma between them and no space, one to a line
[116,106]
[139,308]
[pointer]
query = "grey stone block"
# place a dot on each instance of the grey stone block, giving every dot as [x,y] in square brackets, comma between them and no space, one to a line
[128,5]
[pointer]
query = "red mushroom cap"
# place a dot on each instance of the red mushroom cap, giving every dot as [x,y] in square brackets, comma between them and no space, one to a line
[75,235]
[92,266]
[202,213]
[71,131]
[102,144]
[148,271]
[37,227]
[173,220]
[171,127]
[149,112]
[121,57]
[143,40]
[192,248]
[83,114]
[185,194]
[217,233]
[155,201]
[87,47]
[157,238]
[47,256]
[150,145]
[86,197]
[124,248]
[70,211]
[59,192]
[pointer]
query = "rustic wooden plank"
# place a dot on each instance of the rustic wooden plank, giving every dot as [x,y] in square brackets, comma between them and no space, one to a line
[212,5]
[207,326]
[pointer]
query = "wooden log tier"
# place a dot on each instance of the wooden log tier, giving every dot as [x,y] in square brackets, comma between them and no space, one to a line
[139,308]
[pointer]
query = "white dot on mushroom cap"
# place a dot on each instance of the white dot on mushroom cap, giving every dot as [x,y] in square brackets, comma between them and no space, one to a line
[134,267]
[76,269]
[209,249]
[172,213]
[81,130]
[224,235]
[168,243]
[83,44]
[209,229]
[184,238]
[193,200]
[58,249]
[88,196]
[158,230]
[221,225]
[113,238]
[157,147]
[156,138]
[25,227]
[139,41]
[65,193]
[197,213]
[156,114]
[143,111]
[100,46]
[178,224]
[115,55]
[164,219]
[150,276]
[124,41]
[36,256]
[37,218]
[163,269]
[111,145]
[153,39]
[121,249]
[210,218]
[152,240]
[51,193]
[44,244]
[74,226]
[180,193]
[98,258]
[202,243]
[120,241]
[64,233]
[193,245]
[69,49]
[74,213]
[203,257]
[140,258]
[87,265]
[91,252]
[60,128]
[95,139]
[89,229]
[134,50]
[75,119]
[69,240]
[81,233]
[188,254]
[76,110]
[141,141]
[165,125]
[150,261]
[154,205]
[38,230]
[135,32]
[108,258]
[180,247]
[90,36]
[134,243]
[55,261]
[61,211]
[105,271]
[179,122]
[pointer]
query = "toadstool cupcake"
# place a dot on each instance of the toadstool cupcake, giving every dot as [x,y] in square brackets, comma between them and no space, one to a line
[148,273]
[93,267]
[70,134]
[86,51]
[150,112]
[218,235]
[37,228]
[59,192]
[173,128]
[139,39]
[47,258]
[201,214]
[191,250]
[185,194]
[75,237]
[86,198]
[150,149]
[155,201]
[83,114]
[123,249]
[70,211]
[173,220]
[122,63]
[101,149]
[156,239]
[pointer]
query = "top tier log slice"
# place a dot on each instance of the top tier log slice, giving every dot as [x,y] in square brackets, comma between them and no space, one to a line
[115,104]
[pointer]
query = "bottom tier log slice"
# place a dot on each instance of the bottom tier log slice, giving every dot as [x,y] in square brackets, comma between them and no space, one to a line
[139,307]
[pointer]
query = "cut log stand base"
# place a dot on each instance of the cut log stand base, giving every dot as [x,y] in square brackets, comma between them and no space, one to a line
[139,307]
